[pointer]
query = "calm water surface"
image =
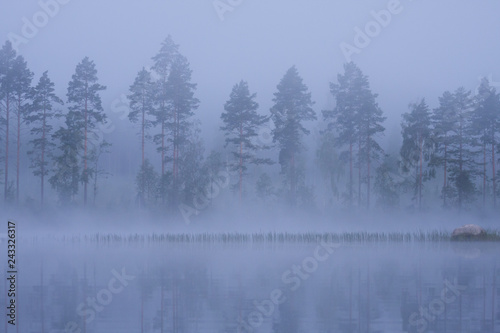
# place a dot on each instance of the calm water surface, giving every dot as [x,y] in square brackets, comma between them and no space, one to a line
[315,287]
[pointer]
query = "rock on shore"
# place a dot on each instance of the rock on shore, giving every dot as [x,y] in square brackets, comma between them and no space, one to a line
[468,232]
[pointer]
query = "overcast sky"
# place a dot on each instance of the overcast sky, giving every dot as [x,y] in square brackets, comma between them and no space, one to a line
[423,49]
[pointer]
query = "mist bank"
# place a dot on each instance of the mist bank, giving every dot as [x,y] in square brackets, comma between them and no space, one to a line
[245,219]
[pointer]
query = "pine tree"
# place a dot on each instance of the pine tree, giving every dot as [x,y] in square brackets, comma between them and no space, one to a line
[7,98]
[162,67]
[192,181]
[486,126]
[264,187]
[292,106]
[39,117]
[86,109]
[21,89]
[452,135]
[241,126]
[444,120]
[386,186]
[95,156]
[343,118]
[370,126]
[356,119]
[182,103]
[66,173]
[329,161]
[147,184]
[141,105]
[417,144]
[462,164]
[214,165]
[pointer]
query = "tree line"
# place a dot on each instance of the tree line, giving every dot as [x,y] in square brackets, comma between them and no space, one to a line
[456,142]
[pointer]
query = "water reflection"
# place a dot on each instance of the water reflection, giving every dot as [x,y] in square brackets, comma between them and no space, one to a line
[414,287]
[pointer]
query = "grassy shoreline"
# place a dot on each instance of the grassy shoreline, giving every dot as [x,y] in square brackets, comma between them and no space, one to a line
[269,237]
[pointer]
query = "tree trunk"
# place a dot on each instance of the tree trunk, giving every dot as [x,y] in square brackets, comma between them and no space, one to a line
[493,171]
[368,173]
[460,190]
[350,174]
[18,146]
[178,126]
[420,175]
[162,148]
[143,129]
[162,159]
[293,179]
[241,159]
[85,149]
[6,181]
[445,175]
[484,173]
[359,173]
[175,146]
[42,167]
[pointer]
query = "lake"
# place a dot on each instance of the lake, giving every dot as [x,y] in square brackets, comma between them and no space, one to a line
[140,283]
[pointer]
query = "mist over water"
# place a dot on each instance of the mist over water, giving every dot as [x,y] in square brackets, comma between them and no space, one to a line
[249,166]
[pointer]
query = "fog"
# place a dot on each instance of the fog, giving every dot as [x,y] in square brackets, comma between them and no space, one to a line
[426,48]
[408,50]
[303,165]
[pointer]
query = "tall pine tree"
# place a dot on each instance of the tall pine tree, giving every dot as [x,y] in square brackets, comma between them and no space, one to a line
[141,105]
[141,99]
[241,126]
[486,127]
[22,85]
[463,163]
[355,120]
[85,108]
[67,170]
[162,67]
[370,119]
[39,117]
[292,107]
[7,98]
[182,104]
[444,119]
[417,144]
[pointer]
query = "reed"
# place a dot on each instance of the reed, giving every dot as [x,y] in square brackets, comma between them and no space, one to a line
[269,237]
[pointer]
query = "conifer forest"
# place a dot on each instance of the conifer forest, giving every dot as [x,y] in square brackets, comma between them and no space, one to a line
[237,166]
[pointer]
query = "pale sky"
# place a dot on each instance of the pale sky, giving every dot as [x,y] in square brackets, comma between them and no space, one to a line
[425,48]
